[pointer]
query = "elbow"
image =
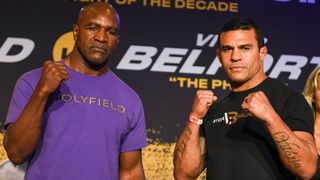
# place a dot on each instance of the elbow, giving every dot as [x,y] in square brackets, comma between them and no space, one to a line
[308,172]
[15,157]
[184,171]
[178,177]
[16,161]
[179,174]
[176,173]
[307,175]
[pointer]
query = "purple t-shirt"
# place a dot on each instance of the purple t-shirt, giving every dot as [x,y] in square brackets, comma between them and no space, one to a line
[87,123]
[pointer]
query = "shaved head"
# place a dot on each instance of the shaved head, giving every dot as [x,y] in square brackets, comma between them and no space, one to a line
[96,35]
[98,7]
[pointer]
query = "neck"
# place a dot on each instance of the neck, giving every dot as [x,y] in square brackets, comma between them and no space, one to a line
[251,83]
[82,66]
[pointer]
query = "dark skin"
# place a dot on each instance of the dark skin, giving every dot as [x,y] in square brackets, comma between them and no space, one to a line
[96,35]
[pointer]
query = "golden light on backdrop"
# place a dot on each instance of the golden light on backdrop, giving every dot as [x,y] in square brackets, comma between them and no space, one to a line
[63,46]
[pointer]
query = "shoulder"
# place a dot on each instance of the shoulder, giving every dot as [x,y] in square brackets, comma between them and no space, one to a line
[279,89]
[32,74]
[30,78]
[285,98]
[274,87]
[281,96]
[275,84]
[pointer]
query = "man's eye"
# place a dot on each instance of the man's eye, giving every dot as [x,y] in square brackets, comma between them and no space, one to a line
[112,32]
[226,49]
[245,48]
[92,28]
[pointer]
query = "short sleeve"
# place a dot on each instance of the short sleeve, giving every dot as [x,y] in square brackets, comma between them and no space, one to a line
[136,138]
[298,114]
[21,94]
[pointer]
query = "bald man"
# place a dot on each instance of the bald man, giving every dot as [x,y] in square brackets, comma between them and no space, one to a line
[75,119]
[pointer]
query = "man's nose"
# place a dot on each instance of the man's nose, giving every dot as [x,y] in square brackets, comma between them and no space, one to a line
[236,55]
[101,36]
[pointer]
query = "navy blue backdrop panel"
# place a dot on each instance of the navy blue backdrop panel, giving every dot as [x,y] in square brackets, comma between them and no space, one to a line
[167,48]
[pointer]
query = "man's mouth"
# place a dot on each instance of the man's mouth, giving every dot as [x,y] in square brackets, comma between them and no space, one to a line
[99,49]
[237,68]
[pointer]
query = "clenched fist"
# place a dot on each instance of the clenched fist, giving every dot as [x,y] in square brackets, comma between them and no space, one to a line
[258,105]
[53,74]
[202,101]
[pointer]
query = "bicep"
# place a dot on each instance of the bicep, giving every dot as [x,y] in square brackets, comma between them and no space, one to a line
[20,97]
[130,160]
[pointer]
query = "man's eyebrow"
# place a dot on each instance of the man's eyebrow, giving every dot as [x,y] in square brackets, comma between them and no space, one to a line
[226,46]
[245,45]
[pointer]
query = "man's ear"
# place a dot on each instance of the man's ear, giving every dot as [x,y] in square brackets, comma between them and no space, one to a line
[75,32]
[218,54]
[263,53]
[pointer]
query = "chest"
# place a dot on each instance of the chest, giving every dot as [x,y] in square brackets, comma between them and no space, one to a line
[73,109]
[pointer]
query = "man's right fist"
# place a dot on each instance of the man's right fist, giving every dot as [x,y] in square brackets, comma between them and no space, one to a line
[202,101]
[53,74]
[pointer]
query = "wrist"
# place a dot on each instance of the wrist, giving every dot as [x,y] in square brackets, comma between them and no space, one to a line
[41,93]
[193,119]
[272,120]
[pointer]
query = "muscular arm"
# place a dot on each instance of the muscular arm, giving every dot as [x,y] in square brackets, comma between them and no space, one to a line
[297,149]
[131,166]
[189,153]
[22,136]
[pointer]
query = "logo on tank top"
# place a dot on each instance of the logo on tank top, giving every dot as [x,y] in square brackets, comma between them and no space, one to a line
[93,101]
[231,117]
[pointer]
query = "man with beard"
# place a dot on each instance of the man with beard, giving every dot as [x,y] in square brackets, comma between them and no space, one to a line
[75,119]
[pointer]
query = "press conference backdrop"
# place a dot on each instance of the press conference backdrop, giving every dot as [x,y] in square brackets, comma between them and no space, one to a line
[166,52]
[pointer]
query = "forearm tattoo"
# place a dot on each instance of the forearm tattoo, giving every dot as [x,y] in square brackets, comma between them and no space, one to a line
[281,139]
[202,142]
[182,145]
